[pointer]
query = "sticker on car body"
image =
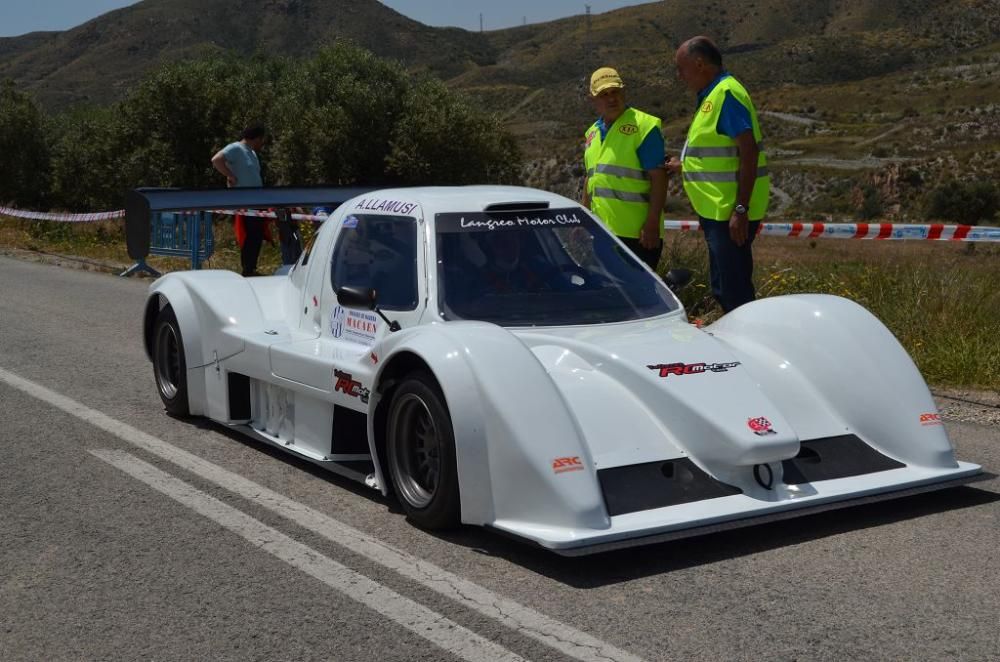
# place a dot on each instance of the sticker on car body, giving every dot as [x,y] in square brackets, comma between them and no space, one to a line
[354,325]
[760,426]
[678,369]
[930,419]
[561,465]
[394,206]
[347,385]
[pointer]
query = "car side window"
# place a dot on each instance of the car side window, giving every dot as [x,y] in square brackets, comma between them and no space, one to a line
[378,252]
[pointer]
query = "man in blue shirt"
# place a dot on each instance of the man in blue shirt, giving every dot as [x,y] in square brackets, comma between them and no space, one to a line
[238,163]
[728,184]
[623,147]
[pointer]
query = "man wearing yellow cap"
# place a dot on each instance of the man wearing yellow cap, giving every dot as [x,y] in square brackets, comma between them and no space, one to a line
[626,184]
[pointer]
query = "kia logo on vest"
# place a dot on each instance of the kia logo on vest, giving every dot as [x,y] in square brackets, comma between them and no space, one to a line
[629,129]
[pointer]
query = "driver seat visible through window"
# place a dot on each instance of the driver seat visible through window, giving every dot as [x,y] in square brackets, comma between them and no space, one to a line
[378,252]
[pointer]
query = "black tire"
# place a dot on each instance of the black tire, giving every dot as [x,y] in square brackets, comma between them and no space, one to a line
[421,454]
[169,366]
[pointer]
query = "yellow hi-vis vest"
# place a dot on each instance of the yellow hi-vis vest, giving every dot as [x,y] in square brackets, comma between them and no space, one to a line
[617,184]
[712,160]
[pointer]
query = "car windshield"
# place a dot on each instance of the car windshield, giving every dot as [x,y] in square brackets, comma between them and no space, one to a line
[549,267]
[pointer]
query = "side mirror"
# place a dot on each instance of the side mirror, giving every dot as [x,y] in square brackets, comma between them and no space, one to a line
[676,279]
[365,298]
[356,297]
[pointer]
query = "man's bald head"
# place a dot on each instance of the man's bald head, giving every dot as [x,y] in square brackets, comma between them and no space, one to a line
[698,61]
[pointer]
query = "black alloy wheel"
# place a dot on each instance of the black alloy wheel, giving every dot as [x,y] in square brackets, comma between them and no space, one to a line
[421,454]
[169,366]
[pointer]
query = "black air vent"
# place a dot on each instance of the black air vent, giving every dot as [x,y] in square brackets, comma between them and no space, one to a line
[835,457]
[516,206]
[239,397]
[657,485]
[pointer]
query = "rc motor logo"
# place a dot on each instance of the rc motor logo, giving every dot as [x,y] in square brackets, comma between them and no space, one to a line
[679,369]
[347,385]
[707,107]
[760,426]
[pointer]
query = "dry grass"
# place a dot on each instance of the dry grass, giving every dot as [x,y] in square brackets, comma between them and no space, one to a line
[939,299]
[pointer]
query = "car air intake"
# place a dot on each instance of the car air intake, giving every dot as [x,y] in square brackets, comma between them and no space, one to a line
[516,206]
[657,485]
[834,457]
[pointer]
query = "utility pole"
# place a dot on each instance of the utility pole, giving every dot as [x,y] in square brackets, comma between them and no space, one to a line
[587,44]
[480,22]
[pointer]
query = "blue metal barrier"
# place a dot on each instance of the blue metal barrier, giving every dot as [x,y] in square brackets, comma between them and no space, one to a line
[179,234]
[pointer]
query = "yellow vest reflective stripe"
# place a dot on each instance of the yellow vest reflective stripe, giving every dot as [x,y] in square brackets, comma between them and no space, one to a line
[711,160]
[616,182]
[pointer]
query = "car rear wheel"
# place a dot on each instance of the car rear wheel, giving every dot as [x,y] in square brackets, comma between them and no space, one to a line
[421,453]
[169,366]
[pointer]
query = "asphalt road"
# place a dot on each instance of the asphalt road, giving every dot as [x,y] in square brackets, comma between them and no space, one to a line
[126,534]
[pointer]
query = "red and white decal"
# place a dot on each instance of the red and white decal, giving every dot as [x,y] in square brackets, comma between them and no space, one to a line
[346,384]
[561,465]
[760,426]
[678,369]
[930,419]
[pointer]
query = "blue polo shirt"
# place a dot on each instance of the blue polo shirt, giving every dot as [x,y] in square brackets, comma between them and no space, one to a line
[244,163]
[650,152]
[735,117]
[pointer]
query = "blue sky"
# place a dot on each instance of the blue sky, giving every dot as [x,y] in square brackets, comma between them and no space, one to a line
[20,16]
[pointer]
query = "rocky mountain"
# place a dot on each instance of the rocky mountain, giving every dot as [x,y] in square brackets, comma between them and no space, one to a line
[848,89]
[97,61]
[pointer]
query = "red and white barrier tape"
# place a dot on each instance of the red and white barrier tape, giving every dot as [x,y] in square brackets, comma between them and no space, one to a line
[899,231]
[803,230]
[65,218]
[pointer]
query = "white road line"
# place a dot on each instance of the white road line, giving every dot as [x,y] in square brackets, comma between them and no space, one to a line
[416,618]
[524,620]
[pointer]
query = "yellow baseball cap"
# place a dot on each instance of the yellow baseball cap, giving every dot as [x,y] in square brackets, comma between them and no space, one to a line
[604,78]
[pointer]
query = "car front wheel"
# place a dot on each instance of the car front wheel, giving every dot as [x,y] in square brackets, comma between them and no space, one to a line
[169,366]
[421,453]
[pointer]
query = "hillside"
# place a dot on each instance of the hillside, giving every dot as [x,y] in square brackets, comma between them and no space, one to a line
[856,95]
[97,61]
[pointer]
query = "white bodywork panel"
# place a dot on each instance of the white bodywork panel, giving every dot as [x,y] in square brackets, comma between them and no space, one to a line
[782,371]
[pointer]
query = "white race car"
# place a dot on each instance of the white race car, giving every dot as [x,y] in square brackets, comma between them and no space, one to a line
[493,356]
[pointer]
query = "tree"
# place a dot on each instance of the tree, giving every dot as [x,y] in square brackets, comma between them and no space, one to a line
[87,156]
[441,139]
[24,168]
[343,117]
[964,202]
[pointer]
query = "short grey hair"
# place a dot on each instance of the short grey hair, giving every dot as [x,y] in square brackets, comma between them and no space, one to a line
[704,48]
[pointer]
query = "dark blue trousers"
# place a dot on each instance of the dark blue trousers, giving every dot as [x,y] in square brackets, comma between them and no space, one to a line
[731,266]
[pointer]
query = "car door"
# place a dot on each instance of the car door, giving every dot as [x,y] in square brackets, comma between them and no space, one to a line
[386,253]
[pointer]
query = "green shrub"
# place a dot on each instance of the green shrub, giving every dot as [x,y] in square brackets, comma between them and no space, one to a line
[964,202]
[24,164]
[342,117]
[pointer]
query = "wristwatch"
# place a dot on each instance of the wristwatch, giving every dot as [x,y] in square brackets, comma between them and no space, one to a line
[740,209]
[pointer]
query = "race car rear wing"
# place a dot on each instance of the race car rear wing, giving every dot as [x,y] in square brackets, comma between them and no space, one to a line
[142,202]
